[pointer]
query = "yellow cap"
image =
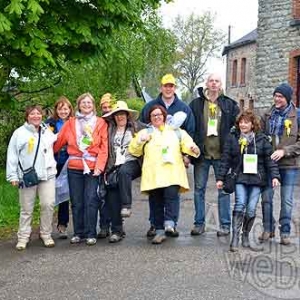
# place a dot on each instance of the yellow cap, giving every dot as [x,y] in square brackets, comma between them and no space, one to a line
[168,78]
[106,98]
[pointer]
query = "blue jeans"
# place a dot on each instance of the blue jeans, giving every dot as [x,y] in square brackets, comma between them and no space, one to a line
[288,181]
[201,173]
[84,202]
[164,201]
[151,209]
[246,199]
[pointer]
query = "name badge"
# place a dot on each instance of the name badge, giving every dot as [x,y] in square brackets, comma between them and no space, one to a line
[120,156]
[212,127]
[250,163]
[166,155]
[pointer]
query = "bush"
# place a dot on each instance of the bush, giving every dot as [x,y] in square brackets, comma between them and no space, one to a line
[136,103]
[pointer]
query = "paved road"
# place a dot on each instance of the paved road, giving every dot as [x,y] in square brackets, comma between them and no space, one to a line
[183,268]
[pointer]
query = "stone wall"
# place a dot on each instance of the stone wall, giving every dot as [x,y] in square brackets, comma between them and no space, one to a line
[277,39]
[241,92]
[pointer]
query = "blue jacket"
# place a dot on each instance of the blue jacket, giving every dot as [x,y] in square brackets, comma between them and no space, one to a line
[177,105]
[55,125]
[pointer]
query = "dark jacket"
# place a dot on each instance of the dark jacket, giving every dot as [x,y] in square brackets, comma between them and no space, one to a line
[229,109]
[290,144]
[232,158]
[62,156]
[177,105]
[134,127]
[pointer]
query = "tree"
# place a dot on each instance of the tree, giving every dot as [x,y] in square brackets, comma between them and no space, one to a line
[197,41]
[39,35]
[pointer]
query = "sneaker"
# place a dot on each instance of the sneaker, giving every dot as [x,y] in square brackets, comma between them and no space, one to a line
[91,241]
[48,242]
[21,245]
[151,232]
[115,238]
[171,231]
[285,240]
[223,232]
[103,233]
[265,236]
[125,212]
[62,230]
[198,229]
[75,240]
[158,239]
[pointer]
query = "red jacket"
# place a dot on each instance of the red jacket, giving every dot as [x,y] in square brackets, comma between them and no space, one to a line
[98,148]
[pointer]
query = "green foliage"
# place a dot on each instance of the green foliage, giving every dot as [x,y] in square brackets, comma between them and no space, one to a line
[136,103]
[197,41]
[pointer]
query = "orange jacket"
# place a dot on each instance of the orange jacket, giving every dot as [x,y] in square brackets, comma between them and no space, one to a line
[98,148]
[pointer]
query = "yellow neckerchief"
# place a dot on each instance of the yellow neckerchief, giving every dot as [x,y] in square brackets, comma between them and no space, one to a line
[243,142]
[212,107]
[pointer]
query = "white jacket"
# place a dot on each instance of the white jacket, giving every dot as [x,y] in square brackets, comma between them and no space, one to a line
[22,148]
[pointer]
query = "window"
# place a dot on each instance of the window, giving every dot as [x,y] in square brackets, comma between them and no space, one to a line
[294,75]
[296,9]
[243,71]
[251,104]
[242,104]
[234,73]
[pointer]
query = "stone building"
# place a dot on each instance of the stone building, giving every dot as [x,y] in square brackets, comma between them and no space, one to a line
[271,55]
[240,69]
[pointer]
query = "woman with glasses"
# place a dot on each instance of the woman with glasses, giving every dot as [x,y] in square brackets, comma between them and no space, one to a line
[163,171]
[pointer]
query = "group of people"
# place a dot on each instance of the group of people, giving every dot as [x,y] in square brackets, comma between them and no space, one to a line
[104,154]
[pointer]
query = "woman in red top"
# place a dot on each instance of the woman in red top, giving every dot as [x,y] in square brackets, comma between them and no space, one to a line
[86,138]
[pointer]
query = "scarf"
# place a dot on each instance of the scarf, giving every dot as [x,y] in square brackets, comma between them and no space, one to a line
[276,120]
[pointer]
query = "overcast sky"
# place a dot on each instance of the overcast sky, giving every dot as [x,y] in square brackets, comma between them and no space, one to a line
[240,14]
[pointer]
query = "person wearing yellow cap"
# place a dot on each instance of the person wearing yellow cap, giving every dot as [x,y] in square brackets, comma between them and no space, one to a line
[105,103]
[168,99]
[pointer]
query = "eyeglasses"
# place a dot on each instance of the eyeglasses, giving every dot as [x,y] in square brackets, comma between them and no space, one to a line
[155,115]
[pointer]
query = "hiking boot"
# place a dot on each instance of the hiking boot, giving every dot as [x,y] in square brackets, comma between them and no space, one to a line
[198,230]
[75,239]
[103,233]
[265,236]
[151,232]
[125,212]
[223,232]
[115,237]
[62,230]
[48,242]
[21,245]
[158,239]
[285,240]
[91,241]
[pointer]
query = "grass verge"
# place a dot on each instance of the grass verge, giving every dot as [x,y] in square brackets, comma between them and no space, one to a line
[10,209]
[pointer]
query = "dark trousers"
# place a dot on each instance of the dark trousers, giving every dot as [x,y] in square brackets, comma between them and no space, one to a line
[104,215]
[84,202]
[151,209]
[128,172]
[63,208]
[114,206]
[165,203]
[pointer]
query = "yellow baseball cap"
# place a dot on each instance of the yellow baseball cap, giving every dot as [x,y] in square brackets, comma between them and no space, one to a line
[168,78]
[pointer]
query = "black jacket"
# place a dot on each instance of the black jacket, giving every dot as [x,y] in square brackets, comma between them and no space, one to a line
[229,109]
[232,158]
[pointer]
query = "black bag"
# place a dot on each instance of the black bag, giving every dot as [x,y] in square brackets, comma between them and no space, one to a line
[230,180]
[111,179]
[30,177]
[229,183]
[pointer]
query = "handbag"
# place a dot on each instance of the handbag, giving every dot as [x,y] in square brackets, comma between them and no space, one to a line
[111,179]
[230,180]
[30,177]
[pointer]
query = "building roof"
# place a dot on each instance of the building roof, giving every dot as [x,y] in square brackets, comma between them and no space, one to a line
[249,38]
